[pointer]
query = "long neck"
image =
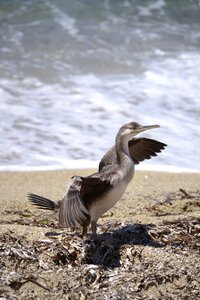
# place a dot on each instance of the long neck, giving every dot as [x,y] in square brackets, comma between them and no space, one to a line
[124,160]
[122,151]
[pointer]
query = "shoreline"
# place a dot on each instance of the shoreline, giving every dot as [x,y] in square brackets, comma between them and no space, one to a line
[91,165]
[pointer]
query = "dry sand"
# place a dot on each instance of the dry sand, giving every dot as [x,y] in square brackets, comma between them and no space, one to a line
[149,251]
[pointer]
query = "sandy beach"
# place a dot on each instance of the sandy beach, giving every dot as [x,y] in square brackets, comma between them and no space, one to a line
[156,202]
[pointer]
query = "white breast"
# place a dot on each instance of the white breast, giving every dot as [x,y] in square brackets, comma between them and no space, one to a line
[107,202]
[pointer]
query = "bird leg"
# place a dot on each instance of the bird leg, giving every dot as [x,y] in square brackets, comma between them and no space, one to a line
[84,232]
[94,227]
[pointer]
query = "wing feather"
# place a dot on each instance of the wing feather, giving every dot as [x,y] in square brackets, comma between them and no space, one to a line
[143,148]
[139,149]
[72,209]
[96,185]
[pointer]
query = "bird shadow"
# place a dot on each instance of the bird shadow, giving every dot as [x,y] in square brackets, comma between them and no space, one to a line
[106,249]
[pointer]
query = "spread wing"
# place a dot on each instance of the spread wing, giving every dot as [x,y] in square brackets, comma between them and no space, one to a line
[143,148]
[139,149]
[82,191]
[72,209]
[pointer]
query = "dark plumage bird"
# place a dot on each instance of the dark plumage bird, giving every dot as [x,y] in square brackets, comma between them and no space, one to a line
[88,198]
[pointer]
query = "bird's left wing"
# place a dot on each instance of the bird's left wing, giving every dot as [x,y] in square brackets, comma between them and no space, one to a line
[143,148]
[139,149]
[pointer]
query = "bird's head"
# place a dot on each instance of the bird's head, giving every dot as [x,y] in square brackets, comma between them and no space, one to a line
[133,128]
[127,132]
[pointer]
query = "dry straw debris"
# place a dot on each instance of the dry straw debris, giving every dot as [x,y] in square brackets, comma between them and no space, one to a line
[125,261]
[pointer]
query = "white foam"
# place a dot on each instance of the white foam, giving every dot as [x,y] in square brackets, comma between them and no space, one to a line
[87,164]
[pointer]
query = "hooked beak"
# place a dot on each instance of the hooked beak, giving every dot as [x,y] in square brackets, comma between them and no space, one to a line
[143,128]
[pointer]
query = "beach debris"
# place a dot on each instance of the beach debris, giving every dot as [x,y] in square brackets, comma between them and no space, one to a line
[185,194]
[139,260]
[174,203]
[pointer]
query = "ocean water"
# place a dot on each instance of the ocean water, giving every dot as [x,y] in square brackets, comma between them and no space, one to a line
[72,72]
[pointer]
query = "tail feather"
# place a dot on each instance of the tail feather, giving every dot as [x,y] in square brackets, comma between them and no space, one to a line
[42,203]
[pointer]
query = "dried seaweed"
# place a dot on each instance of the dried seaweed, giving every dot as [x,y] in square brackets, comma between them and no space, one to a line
[27,217]
[125,261]
[174,203]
